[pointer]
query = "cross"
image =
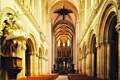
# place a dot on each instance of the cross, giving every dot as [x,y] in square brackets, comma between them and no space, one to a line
[63,11]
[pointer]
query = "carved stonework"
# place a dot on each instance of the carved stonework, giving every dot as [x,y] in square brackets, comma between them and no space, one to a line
[8,36]
[6,46]
[118,4]
[118,27]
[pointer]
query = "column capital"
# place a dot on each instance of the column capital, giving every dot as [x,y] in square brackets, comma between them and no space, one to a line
[118,28]
[105,42]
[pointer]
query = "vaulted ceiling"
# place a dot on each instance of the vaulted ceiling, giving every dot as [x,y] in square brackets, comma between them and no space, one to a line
[63,20]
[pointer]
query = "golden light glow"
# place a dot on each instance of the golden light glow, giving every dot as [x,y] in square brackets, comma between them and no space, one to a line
[59,43]
[63,44]
[68,42]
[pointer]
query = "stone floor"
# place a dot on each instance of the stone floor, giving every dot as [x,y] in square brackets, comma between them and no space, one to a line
[62,77]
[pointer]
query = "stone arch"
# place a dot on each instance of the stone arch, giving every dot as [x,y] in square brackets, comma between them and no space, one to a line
[112,37]
[69,4]
[31,36]
[71,26]
[29,51]
[84,58]
[93,51]
[109,38]
[90,40]
[92,43]
[109,7]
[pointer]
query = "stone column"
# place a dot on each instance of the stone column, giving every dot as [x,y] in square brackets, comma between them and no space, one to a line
[101,60]
[40,65]
[118,30]
[105,60]
[86,64]
[107,68]
[31,63]
[36,63]
[33,66]
[90,63]
[92,55]
[82,65]
[98,60]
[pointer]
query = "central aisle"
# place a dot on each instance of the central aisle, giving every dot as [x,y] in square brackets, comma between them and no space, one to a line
[62,77]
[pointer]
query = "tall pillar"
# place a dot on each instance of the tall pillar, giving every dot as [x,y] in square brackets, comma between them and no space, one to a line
[104,59]
[33,66]
[85,63]
[31,62]
[36,63]
[98,60]
[90,63]
[92,54]
[40,65]
[86,69]
[101,60]
[82,65]
[118,30]
[107,69]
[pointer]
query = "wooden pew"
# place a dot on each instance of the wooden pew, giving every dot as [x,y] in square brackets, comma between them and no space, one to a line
[82,77]
[41,77]
[75,77]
